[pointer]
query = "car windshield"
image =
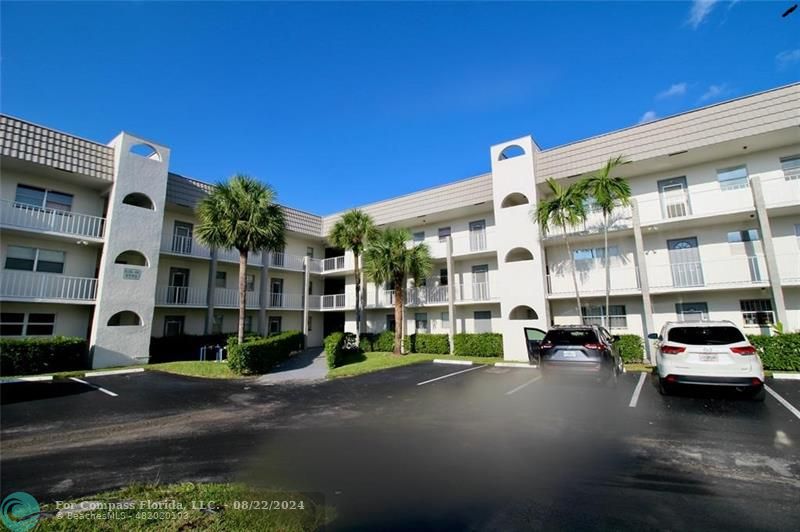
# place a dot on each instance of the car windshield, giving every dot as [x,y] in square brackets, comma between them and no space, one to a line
[705,335]
[570,336]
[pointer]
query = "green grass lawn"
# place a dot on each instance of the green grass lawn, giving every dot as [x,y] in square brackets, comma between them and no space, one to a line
[224,517]
[196,368]
[359,364]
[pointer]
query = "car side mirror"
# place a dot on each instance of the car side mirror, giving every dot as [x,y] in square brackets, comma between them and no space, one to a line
[653,336]
[615,338]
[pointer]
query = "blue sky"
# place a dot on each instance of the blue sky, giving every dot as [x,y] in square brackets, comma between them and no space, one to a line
[340,104]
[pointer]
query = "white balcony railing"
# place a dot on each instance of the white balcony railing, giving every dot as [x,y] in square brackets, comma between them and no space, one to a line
[34,285]
[427,295]
[285,301]
[464,243]
[229,298]
[619,219]
[591,277]
[181,295]
[481,291]
[285,261]
[51,220]
[734,271]
[614,321]
[328,302]
[184,245]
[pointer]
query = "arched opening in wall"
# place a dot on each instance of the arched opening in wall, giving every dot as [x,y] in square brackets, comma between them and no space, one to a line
[134,258]
[514,199]
[518,254]
[146,151]
[523,312]
[137,199]
[124,319]
[510,152]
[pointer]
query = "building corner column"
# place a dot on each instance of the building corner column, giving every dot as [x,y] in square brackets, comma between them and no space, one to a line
[263,296]
[451,292]
[769,250]
[210,289]
[306,297]
[644,281]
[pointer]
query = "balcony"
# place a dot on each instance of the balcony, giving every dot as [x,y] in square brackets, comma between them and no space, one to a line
[51,221]
[188,246]
[45,287]
[591,278]
[280,300]
[285,261]
[180,296]
[342,263]
[709,273]
[229,298]
[329,302]
[476,292]
[185,296]
[465,243]
[426,295]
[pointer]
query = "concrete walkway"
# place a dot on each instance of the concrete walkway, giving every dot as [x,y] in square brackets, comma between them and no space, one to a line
[308,366]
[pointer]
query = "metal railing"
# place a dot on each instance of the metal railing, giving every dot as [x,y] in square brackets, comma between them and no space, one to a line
[591,277]
[229,298]
[328,302]
[481,291]
[758,318]
[286,261]
[16,214]
[427,295]
[181,295]
[283,300]
[614,321]
[34,285]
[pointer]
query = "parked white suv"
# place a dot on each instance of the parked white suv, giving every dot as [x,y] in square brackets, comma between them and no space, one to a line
[714,353]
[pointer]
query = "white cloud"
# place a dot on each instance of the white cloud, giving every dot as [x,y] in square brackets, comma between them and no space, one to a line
[676,89]
[787,57]
[649,116]
[715,92]
[699,11]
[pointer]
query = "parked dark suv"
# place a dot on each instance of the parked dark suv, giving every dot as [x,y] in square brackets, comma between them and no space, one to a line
[581,349]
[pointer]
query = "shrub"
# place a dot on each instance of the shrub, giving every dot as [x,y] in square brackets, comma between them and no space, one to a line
[631,348]
[261,354]
[432,344]
[29,356]
[780,352]
[383,342]
[337,346]
[480,344]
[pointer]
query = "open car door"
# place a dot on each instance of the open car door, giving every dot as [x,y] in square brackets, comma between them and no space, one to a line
[533,338]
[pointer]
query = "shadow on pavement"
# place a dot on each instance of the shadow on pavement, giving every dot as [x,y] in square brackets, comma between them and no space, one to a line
[19,392]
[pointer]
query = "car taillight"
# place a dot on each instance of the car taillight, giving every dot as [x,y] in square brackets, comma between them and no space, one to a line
[746,350]
[599,347]
[545,345]
[755,381]
[672,349]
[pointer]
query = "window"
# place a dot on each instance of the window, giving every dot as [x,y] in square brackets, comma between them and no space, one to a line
[757,312]
[36,324]
[221,280]
[715,335]
[748,235]
[570,336]
[137,199]
[596,315]
[39,197]
[250,282]
[421,322]
[125,318]
[791,167]
[390,323]
[217,324]
[34,259]
[274,325]
[443,276]
[732,178]
[692,311]
[483,321]
[310,252]
[419,237]
[248,323]
[173,325]
[444,232]
[310,287]
[445,320]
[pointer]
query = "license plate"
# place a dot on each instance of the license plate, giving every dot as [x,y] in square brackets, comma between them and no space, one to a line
[708,358]
[570,354]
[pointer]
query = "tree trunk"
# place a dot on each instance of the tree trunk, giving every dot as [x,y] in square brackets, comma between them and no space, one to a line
[574,277]
[398,317]
[608,272]
[242,291]
[357,271]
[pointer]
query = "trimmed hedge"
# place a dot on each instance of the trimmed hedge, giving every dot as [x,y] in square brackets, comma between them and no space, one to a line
[432,344]
[29,356]
[337,346]
[780,352]
[382,342]
[261,354]
[479,345]
[631,348]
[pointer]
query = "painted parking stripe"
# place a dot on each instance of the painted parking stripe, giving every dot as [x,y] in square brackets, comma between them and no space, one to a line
[523,385]
[98,388]
[113,372]
[783,401]
[637,390]
[450,375]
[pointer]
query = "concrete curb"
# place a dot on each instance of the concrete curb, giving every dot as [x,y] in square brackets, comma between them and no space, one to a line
[454,362]
[786,376]
[113,372]
[514,365]
[36,378]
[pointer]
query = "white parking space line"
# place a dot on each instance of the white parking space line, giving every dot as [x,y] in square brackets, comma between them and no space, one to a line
[783,401]
[449,375]
[637,390]
[114,372]
[523,385]
[98,388]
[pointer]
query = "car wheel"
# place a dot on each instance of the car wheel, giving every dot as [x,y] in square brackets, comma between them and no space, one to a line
[613,378]
[759,394]
[663,387]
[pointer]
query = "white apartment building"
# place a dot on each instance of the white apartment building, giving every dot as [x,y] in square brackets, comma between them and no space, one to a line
[97,240]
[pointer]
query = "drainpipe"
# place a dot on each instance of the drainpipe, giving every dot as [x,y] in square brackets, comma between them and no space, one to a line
[769,250]
[306,296]
[644,282]
[211,287]
[451,295]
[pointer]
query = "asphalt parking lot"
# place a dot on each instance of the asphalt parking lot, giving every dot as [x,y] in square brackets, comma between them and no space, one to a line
[426,446]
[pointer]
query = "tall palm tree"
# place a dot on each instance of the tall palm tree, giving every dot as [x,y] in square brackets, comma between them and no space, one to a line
[608,192]
[390,257]
[352,232]
[241,213]
[562,209]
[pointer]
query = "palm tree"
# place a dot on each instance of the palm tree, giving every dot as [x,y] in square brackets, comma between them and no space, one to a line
[565,208]
[352,232]
[390,257]
[608,192]
[241,213]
